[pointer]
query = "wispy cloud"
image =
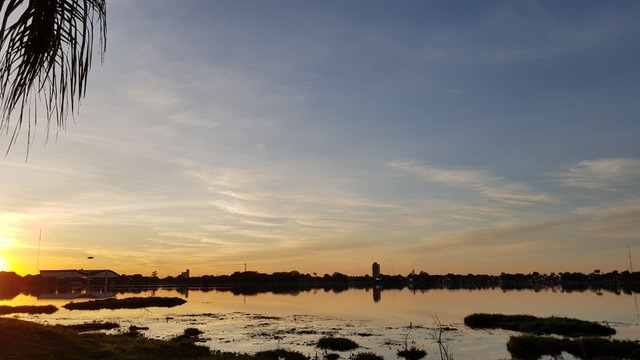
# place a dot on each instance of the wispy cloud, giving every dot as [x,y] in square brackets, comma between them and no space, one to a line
[480,181]
[602,174]
[613,223]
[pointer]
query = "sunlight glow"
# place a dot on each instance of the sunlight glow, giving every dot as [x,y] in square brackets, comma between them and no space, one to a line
[4,264]
[7,242]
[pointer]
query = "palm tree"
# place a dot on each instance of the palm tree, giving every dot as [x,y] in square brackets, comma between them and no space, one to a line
[46,47]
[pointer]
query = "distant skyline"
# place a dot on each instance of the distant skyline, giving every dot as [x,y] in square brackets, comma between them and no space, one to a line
[444,136]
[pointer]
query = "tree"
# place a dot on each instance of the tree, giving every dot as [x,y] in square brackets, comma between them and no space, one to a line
[46,48]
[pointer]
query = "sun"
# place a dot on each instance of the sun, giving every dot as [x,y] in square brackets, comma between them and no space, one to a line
[4,264]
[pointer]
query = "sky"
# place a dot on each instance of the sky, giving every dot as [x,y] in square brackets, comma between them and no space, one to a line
[321,136]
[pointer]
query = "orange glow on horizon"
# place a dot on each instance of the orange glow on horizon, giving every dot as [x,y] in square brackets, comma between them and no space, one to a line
[7,257]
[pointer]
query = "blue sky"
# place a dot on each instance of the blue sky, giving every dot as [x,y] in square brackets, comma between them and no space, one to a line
[444,136]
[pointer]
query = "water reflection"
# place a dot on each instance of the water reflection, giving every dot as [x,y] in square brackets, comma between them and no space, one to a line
[253,316]
[88,292]
[377,293]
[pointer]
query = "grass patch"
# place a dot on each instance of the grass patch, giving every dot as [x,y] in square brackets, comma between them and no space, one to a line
[93,326]
[366,356]
[127,303]
[46,309]
[280,354]
[337,344]
[534,347]
[189,334]
[412,353]
[26,340]
[21,339]
[540,326]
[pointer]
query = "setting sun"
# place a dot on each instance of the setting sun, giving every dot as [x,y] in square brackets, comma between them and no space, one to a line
[6,243]
[4,264]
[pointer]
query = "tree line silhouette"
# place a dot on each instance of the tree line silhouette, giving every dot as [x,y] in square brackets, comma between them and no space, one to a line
[253,282]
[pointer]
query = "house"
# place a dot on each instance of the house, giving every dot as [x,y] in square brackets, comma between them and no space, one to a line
[87,275]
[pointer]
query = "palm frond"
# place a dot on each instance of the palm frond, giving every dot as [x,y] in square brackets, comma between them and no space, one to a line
[46,51]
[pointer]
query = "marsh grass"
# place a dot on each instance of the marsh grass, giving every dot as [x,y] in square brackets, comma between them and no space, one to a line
[539,326]
[93,326]
[280,354]
[366,356]
[189,334]
[45,309]
[337,344]
[126,303]
[534,347]
[412,353]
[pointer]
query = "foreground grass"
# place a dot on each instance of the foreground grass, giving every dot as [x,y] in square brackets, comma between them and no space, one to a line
[46,309]
[126,303]
[26,340]
[540,326]
[534,347]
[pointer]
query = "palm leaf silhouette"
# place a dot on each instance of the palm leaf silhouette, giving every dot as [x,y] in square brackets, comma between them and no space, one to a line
[46,47]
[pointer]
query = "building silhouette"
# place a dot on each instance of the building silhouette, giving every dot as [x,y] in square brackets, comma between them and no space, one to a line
[375,270]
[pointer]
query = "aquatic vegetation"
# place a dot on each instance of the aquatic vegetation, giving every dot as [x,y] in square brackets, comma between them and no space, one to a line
[126,303]
[46,309]
[438,335]
[365,356]
[93,326]
[540,326]
[280,354]
[534,347]
[192,332]
[337,344]
[331,356]
[189,334]
[412,353]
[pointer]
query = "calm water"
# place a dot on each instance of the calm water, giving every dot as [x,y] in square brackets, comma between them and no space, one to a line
[295,321]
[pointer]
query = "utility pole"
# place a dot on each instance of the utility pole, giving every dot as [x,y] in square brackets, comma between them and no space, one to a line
[38,256]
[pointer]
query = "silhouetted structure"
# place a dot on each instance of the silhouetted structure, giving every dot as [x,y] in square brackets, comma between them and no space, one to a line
[84,275]
[185,274]
[375,270]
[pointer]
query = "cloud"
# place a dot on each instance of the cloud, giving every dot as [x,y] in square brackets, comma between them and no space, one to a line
[490,187]
[602,174]
[611,223]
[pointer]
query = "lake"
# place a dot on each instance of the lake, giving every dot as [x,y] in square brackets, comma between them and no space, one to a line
[378,320]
